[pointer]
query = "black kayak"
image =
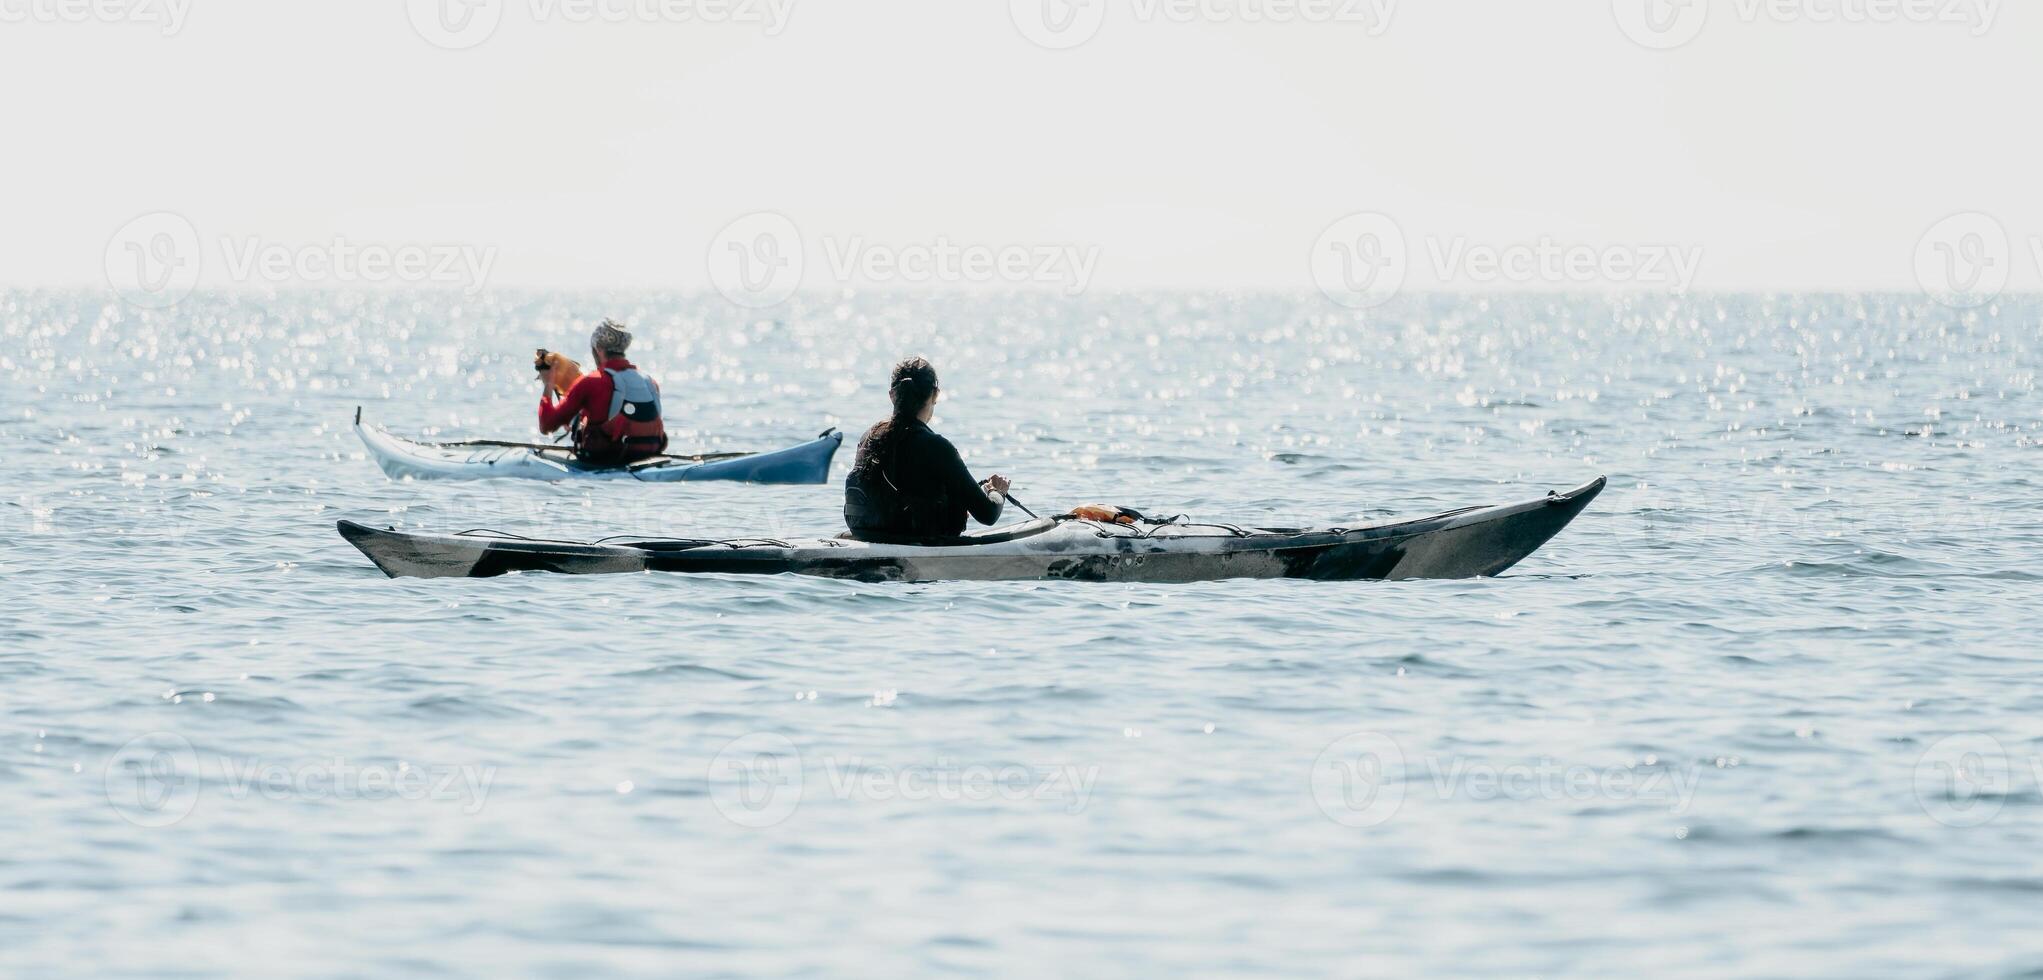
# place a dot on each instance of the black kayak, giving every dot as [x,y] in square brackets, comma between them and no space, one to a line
[1465,543]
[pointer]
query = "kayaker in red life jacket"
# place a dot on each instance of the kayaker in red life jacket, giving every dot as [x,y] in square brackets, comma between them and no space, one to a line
[615,410]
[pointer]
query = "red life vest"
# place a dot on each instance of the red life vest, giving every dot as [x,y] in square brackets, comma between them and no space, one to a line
[633,430]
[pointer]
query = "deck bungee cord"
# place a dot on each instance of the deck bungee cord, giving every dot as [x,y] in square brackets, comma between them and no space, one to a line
[1128,517]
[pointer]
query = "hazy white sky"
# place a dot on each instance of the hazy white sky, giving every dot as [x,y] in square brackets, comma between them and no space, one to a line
[1791,146]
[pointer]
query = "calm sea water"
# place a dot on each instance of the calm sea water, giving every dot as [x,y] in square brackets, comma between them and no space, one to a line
[1769,707]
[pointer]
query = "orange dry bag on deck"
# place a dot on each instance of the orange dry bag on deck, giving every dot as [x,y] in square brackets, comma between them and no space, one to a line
[1104,513]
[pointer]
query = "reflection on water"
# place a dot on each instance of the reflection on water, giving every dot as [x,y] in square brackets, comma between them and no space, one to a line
[1780,667]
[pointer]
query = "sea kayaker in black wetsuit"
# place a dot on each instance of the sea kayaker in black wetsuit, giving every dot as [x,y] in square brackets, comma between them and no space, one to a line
[909,483]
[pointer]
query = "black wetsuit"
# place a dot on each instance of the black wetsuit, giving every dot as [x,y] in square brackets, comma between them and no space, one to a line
[909,484]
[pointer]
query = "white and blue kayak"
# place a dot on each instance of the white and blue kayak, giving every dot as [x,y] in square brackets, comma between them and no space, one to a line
[484,459]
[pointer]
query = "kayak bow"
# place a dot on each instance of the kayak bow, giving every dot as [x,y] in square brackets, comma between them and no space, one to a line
[1466,543]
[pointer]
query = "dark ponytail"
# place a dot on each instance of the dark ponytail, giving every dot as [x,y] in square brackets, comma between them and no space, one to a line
[914,384]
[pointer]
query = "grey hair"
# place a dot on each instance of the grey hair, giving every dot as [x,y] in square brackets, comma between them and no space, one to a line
[610,338]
